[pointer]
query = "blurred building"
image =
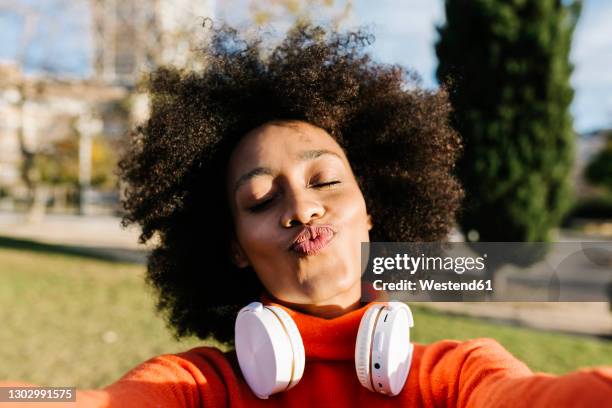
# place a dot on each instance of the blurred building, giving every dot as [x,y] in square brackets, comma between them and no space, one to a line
[10,155]
[129,38]
[35,111]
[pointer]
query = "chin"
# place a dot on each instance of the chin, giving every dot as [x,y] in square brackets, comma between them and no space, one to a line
[328,286]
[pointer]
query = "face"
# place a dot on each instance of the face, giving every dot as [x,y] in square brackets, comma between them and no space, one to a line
[289,181]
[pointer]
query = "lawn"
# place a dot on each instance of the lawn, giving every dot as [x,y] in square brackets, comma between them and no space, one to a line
[68,319]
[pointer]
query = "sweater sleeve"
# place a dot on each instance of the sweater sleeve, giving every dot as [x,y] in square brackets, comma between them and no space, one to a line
[481,373]
[182,380]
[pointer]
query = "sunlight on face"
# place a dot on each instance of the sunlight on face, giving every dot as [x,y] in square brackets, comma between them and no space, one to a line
[281,178]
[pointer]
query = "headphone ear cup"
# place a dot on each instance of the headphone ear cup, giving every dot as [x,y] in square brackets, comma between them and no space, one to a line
[392,355]
[297,345]
[269,349]
[363,345]
[383,351]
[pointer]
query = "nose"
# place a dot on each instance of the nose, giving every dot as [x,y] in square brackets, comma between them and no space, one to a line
[301,208]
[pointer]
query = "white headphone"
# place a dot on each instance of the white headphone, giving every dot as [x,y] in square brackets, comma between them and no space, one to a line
[271,353]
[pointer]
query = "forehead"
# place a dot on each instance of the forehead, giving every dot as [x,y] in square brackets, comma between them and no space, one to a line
[272,143]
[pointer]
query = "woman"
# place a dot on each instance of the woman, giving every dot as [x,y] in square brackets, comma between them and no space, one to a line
[260,177]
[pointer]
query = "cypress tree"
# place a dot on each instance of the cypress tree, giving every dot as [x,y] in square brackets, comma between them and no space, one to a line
[506,63]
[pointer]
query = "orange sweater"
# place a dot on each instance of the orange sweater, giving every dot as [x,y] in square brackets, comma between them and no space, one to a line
[475,373]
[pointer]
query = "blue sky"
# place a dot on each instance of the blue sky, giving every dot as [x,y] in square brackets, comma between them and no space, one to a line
[405,34]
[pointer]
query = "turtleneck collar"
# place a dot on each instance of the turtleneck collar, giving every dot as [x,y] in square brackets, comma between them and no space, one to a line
[326,339]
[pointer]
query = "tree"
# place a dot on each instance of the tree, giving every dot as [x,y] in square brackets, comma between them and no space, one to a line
[336,11]
[506,63]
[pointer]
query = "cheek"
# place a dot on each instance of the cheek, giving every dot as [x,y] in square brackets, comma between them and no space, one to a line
[352,210]
[255,233]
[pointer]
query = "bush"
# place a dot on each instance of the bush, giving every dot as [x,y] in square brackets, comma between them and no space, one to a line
[599,170]
[594,208]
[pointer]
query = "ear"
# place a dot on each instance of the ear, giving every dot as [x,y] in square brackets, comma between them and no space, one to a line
[369,222]
[237,254]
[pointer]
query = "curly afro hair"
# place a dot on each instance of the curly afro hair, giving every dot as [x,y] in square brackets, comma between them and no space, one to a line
[396,136]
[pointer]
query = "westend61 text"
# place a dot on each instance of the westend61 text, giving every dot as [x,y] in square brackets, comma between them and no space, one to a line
[430,284]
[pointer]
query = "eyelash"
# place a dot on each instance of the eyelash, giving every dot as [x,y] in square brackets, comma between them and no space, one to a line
[264,204]
[327,184]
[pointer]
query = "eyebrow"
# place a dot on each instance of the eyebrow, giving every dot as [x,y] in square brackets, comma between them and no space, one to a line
[304,155]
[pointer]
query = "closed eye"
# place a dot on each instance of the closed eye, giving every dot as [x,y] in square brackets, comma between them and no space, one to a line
[324,185]
[261,206]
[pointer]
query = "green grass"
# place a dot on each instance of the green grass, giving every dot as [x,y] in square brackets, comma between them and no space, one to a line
[66,319]
[541,350]
[58,314]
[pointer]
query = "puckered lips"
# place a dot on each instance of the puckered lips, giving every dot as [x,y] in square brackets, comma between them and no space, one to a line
[312,238]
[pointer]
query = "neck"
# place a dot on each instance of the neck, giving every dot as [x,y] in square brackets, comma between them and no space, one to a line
[325,339]
[323,310]
[331,308]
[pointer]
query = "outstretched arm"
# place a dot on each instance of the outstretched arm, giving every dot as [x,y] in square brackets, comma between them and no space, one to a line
[482,373]
[183,380]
